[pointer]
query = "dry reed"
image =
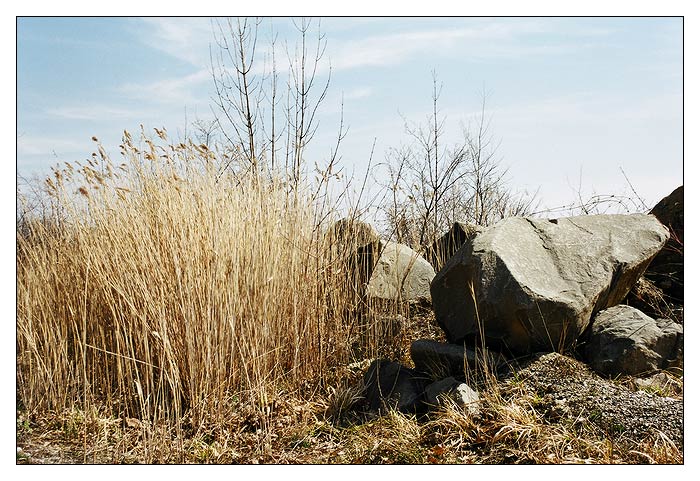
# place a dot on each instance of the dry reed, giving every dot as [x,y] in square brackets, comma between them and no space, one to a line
[170,290]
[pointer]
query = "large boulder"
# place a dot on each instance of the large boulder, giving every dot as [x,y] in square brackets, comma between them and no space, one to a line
[399,273]
[440,251]
[624,340]
[529,285]
[666,270]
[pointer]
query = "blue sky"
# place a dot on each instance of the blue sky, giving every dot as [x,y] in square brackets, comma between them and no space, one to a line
[571,100]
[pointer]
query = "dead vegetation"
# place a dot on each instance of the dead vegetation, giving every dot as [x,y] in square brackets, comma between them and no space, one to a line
[514,426]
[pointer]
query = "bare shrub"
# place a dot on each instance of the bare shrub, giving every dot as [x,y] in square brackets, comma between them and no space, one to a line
[432,186]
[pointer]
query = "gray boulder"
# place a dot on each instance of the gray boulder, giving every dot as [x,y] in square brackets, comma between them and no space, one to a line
[440,251]
[389,385]
[399,273]
[533,284]
[624,340]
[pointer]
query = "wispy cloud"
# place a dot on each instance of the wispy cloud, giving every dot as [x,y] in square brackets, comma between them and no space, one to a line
[174,90]
[48,146]
[93,112]
[186,39]
[494,38]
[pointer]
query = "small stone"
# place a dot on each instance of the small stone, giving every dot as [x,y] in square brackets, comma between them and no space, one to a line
[660,383]
[469,398]
[389,385]
[458,392]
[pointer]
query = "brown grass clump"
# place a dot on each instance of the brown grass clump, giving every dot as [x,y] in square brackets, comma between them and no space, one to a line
[647,297]
[171,291]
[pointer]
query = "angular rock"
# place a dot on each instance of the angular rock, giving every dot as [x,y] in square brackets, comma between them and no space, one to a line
[438,359]
[533,284]
[666,270]
[399,274]
[389,385]
[458,392]
[624,340]
[440,251]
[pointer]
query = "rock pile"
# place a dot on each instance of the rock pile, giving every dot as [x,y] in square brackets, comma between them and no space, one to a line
[389,385]
[525,286]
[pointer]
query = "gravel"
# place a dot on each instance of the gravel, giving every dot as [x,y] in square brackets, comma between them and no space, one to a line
[571,390]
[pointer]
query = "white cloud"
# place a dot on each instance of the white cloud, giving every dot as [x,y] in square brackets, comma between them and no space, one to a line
[93,112]
[176,90]
[493,38]
[184,38]
[42,145]
[189,39]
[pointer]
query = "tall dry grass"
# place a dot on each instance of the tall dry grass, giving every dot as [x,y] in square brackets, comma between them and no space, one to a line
[169,290]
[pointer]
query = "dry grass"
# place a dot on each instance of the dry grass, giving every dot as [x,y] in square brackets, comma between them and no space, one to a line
[169,292]
[645,296]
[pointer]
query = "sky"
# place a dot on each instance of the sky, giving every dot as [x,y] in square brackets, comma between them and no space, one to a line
[573,102]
